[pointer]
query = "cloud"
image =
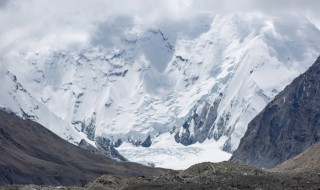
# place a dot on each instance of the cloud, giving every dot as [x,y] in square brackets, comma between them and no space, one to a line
[33,24]
[3,3]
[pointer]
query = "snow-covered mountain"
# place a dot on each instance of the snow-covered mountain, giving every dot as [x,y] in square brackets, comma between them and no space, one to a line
[189,82]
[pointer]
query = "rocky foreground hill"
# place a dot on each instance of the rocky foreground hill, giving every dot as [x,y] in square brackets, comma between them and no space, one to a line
[224,175]
[306,162]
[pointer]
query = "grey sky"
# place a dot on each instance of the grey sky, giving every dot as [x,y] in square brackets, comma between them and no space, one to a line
[29,24]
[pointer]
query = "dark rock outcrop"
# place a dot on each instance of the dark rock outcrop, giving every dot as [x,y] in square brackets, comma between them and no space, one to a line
[31,154]
[104,148]
[147,142]
[287,126]
[201,124]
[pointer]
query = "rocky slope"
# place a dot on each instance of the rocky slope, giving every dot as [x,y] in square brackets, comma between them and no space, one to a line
[287,126]
[306,162]
[31,154]
[224,175]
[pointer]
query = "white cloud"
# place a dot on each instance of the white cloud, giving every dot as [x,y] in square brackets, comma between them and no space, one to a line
[32,24]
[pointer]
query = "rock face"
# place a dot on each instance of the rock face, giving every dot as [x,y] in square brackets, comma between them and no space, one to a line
[104,147]
[31,154]
[287,126]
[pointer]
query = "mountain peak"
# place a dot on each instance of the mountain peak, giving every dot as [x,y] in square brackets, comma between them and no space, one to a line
[194,81]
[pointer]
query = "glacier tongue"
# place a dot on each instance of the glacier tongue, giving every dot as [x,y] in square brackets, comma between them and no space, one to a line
[206,82]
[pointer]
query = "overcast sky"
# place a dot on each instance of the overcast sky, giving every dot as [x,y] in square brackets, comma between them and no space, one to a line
[28,24]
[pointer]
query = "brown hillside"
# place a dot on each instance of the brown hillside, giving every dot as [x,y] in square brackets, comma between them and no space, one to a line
[31,154]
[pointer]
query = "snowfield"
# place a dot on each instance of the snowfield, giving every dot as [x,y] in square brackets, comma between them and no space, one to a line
[166,153]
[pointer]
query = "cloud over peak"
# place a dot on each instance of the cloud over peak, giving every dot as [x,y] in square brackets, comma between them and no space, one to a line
[31,24]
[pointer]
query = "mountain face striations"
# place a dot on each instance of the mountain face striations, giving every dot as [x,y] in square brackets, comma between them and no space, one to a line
[287,126]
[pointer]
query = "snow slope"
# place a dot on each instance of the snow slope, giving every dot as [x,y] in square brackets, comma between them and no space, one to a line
[190,81]
[15,98]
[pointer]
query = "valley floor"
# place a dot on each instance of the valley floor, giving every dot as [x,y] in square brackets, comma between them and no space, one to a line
[223,175]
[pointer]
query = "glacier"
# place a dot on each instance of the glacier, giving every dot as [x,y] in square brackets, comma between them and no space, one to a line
[189,87]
